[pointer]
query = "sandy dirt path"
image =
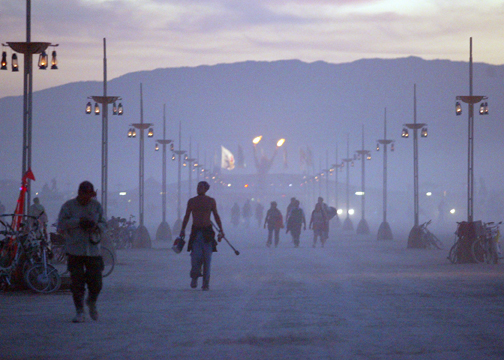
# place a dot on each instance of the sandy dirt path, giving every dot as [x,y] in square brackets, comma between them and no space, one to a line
[355,299]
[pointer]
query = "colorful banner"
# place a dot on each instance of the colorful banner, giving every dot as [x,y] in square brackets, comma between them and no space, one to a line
[227,159]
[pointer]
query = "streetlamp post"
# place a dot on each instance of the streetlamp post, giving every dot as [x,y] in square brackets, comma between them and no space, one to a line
[28,49]
[363,227]
[384,231]
[336,194]
[142,238]
[104,101]
[347,224]
[178,223]
[189,162]
[414,238]
[471,100]
[163,232]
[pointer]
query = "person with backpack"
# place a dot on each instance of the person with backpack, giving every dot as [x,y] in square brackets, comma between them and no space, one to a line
[274,220]
[295,221]
[318,223]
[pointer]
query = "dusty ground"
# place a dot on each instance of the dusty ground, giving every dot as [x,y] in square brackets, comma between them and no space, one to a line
[355,299]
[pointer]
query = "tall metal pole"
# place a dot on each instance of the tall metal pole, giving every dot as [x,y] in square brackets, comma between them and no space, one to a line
[415,235]
[384,231]
[142,237]
[471,100]
[363,227]
[28,49]
[163,201]
[104,101]
[163,232]
[104,171]
[327,176]
[179,172]
[347,224]
[415,159]
[190,160]
[141,167]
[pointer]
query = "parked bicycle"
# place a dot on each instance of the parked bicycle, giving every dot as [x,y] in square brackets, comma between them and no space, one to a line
[486,248]
[24,255]
[120,232]
[428,239]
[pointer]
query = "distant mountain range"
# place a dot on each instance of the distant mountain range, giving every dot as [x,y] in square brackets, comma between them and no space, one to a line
[309,104]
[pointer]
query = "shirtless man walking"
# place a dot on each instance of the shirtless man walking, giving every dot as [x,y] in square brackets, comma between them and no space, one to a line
[202,239]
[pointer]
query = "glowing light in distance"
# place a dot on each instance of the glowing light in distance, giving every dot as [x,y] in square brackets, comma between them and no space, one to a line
[339,211]
[351,212]
[428,193]
[280,142]
[256,140]
[246,185]
[359,193]
[122,193]
[452,211]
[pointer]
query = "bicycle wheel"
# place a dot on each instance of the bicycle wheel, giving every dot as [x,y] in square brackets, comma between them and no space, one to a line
[108,261]
[481,252]
[43,279]
[453,254]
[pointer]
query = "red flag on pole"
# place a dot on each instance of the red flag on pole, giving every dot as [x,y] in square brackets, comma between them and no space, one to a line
[16,221]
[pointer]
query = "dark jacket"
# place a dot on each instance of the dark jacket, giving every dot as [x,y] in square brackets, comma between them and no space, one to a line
[208,235]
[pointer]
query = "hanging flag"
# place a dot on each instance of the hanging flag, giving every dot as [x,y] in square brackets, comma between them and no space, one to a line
[240,158]
[227,159]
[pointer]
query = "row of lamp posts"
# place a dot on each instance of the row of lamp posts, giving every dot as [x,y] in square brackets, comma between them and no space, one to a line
[29,48]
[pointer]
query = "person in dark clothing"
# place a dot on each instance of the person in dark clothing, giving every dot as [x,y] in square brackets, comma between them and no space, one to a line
[259,213]
[325,210]
[318,223]
[247,212]
[82,224]
[235,214]
[274,220]
[289,208]
[295,221]
[202,239]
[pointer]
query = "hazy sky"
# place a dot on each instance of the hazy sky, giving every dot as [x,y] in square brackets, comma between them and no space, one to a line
[150,34]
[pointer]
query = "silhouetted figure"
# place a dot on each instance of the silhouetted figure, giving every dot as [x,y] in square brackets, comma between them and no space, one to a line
[274,220]
[295,221]
[289,208]
[247,212]
[259,213]
[235,214]
[325,210]
[318,223]
[202,239]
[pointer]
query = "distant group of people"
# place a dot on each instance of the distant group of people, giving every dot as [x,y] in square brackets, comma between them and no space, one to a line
[246,213]
[295,220]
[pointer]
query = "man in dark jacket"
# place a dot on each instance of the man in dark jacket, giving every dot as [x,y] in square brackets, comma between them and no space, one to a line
[81,222]
[202,239]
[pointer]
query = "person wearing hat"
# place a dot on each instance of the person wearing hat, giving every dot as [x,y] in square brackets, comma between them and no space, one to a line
[274,220]
[81,222]
[202,239]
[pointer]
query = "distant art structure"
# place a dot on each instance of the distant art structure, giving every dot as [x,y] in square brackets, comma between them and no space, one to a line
[262,163]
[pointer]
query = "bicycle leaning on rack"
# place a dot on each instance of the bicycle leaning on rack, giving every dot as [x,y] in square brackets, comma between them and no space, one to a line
[486,248]
[428,239]
[25,252]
